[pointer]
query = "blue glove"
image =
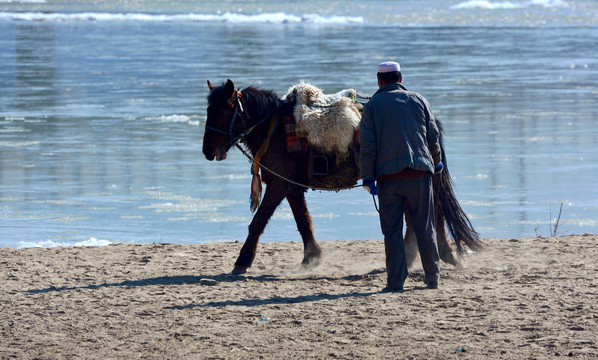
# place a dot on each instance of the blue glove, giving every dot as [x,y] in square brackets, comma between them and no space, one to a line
[370,185]
[438,168]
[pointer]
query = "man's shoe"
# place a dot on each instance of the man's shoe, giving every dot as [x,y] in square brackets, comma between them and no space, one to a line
[432,284]
[390,289]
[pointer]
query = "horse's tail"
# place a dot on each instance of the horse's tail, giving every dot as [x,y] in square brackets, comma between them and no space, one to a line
[457,222]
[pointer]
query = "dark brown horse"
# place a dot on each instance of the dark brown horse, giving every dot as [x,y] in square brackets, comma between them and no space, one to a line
[245,116]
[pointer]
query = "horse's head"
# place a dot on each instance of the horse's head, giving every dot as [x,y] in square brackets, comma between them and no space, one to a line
[224,120]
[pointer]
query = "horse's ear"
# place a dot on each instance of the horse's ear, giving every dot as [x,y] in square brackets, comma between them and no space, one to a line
[210,86]
[229,87]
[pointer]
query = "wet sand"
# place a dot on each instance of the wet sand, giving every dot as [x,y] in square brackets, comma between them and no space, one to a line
[520,298]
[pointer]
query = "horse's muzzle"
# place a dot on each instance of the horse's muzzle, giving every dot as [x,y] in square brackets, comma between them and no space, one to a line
[209,154]
[219,154]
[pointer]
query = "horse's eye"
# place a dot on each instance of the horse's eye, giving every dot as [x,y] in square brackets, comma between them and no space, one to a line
[230,103]
[220,111]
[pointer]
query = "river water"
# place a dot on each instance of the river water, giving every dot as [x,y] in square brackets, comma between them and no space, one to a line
[102,108]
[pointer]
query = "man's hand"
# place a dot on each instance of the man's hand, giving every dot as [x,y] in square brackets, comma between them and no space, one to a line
[370,185]
[438,168]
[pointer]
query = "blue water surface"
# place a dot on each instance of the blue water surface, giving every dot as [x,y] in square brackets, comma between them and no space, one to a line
[101,116]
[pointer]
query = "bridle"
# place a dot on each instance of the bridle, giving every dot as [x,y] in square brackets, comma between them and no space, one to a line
[237,102]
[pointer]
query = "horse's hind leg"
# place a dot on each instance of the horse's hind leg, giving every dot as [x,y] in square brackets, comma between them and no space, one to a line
[272,198]
[411,249]
[444,248]
[311,249]
[445,251]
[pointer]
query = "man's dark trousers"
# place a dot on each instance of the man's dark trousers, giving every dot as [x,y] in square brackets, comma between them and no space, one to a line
[417,194]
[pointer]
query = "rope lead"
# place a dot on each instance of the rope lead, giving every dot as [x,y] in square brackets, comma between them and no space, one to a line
[288,180]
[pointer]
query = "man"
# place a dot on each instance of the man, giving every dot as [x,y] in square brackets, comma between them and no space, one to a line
[400,150]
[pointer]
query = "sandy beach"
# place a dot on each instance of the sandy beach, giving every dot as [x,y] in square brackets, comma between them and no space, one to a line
[520,298]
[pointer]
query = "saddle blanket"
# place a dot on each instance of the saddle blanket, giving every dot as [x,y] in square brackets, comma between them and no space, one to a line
[328,122]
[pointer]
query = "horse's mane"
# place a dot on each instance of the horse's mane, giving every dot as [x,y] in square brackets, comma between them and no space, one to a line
[261,101]
[258,101]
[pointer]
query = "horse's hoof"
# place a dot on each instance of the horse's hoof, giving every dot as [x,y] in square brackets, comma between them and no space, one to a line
[311,261]
[448,257]
[312,255]
[239,270]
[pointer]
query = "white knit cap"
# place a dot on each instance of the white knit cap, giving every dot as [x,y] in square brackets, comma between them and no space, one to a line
[389,66]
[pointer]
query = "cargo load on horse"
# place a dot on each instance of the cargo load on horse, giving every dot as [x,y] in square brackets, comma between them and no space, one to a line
[328,122]
[327,127]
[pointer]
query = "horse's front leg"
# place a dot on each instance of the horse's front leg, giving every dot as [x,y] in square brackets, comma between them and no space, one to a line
[311,249]
[272,198]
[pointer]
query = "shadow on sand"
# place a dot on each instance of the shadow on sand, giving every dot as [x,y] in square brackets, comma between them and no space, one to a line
[192,279]
[227,278]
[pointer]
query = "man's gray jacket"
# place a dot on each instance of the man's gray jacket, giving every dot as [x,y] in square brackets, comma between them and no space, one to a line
[397,131]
